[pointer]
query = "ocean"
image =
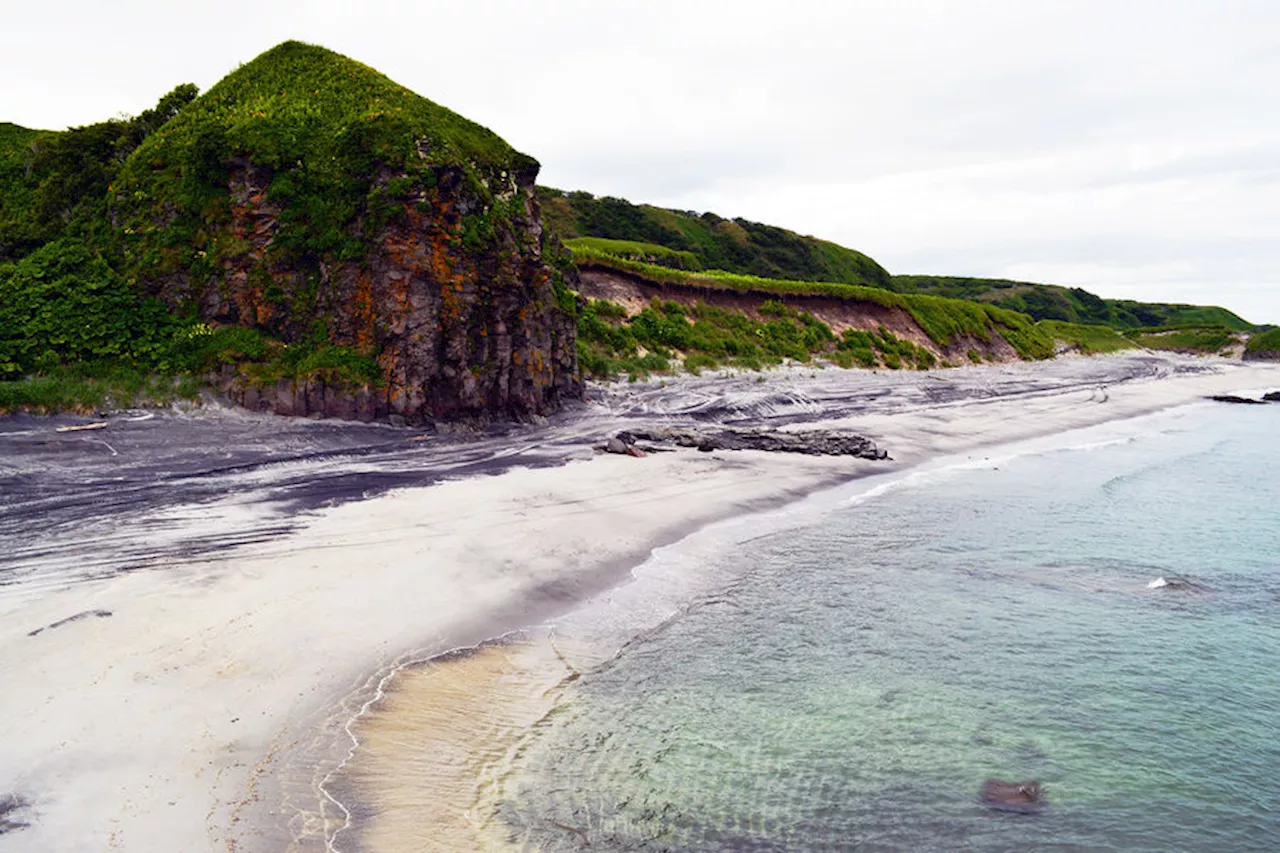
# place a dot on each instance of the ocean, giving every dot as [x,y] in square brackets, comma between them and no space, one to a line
[844,676]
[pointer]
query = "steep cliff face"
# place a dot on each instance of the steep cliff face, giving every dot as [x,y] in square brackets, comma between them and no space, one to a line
[311,198]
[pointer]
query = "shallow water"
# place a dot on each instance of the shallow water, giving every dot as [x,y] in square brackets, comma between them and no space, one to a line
[853,681]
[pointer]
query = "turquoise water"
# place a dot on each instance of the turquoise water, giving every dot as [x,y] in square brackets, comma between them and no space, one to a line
[855,680]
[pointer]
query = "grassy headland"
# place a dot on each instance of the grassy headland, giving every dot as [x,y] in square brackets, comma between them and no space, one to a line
[1073,305]
[733,245]
[97,221]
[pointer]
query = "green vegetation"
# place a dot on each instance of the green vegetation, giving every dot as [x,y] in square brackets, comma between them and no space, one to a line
[53,185]
[734,245]
[1088,339]
[265,360]
[64,305]
[630,250]
[1072,305]
[1190,339]
[610,342]
[19,231]
[339,166]
[859,348]
[747,248]
[941,319]
[1266,344]
[94,387]
[74,334]
[707,337]
[88,215]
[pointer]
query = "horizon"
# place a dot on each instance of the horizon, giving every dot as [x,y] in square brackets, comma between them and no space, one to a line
[1126,152]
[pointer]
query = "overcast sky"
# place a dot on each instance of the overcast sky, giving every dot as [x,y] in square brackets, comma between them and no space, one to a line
[1130,146]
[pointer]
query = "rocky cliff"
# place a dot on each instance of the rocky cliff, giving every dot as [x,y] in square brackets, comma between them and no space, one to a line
[353,223]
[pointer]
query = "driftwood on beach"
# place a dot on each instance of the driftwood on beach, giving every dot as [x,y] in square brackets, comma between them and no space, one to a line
[82,427]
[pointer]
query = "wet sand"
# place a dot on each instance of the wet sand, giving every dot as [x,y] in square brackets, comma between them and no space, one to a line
[211,708]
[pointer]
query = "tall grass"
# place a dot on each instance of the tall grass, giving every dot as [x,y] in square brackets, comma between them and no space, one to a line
[1089,339]
[1192,339]
[1267,342]
[940,318]
[95,388]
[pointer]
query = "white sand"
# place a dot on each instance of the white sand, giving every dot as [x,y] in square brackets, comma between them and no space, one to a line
[162,727]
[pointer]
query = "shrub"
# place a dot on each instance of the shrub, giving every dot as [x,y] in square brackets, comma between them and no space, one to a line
[63,304]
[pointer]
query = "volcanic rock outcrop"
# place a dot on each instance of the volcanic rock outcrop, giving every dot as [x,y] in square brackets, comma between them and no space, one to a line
[392,249]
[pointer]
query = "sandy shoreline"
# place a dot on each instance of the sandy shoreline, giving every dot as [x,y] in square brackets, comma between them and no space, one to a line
[203,713]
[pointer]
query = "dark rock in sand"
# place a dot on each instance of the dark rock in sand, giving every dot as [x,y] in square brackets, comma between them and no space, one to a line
[1025,797]
[1232,398]
[10,804]
[1272,397]
[101,614]
[810,442]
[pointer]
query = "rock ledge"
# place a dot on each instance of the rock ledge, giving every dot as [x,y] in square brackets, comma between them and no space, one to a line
[809,442]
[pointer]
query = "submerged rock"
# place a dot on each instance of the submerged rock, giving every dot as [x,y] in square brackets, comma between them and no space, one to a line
[1025,797]
[1174,583]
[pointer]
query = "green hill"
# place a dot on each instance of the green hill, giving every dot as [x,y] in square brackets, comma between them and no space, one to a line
[1073,305]
[329,130]
[733,245]
[714,318]
[1264,346]
[594,227]
[312,236]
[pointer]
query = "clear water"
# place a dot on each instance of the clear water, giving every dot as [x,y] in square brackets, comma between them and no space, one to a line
[860,677]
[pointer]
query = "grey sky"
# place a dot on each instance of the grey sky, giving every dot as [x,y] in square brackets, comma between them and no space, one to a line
[1130,147]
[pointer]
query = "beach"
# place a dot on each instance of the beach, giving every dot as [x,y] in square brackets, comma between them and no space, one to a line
[213,701]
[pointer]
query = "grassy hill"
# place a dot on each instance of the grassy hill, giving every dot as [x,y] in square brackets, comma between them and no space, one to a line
[1074,305]
[279,229]
[691,321]
[686,240]
[642,317]
[1265,346]
[713,242]
[325,126]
